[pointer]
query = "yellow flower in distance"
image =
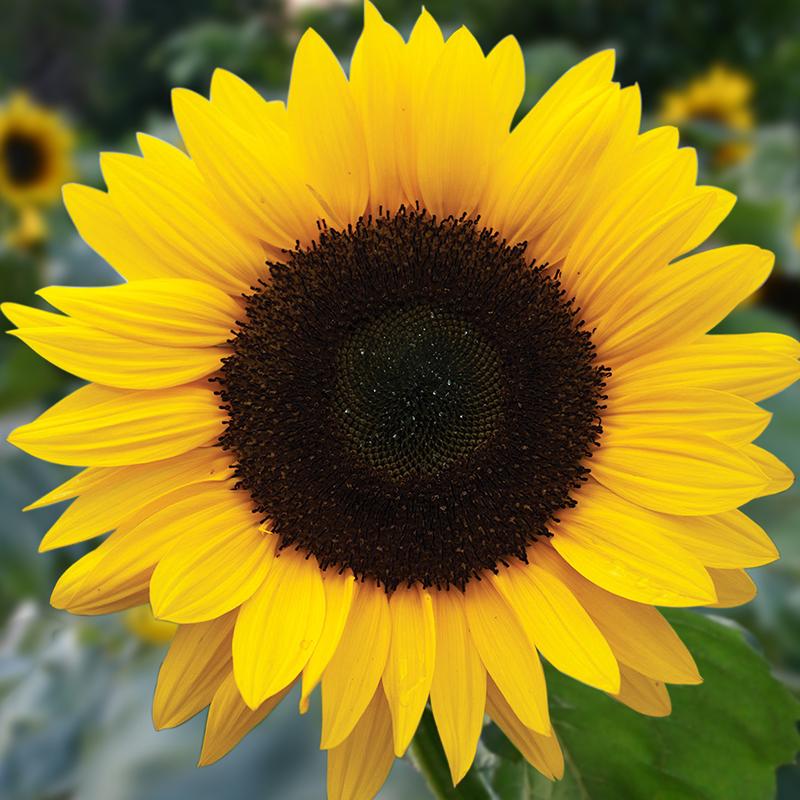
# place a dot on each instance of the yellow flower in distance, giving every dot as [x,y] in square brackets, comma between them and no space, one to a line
[35,153]
[722,96]
[396,400]
[29,231]
[141,622]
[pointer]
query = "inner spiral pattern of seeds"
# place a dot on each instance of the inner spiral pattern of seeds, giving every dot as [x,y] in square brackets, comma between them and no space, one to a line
[417,391]
[411,399]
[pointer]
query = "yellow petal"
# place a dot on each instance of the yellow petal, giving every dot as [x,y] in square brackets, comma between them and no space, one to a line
[256,178]
[507,79]
[116,493]
[620,546]
[508,656]
[251,249]
[538,171]
[590,74]
[682,301]
[634,254]
[540,751]
[99,426]
[537,133]
[240,102]
[657,142]
[409,667]
[123,563]
[734,587]
[421,55]
[722,202]
[165,311]
[339,593]
[208,573]
[558,626]
[780,476]
[639,636]
[229,720]
[729,540]
[454,144]
[28,317]
[110,360]
[670,470]
[775,342]
[353,674]
[173,213]
[375,83]
[157,151]
[594,183]
[458,690]
[555,146]
[359,766]
[72,487]
[643,694]
[104,229]
[727,417]
[636,176]
[752,365]
[278,627]
[326,127]
[198,661]
[70,594]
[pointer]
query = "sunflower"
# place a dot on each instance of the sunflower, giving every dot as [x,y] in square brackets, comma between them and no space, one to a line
[29,231]
[35,153]
[721,96]
[396,399]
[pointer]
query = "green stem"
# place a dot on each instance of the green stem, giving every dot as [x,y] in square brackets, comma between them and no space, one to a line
[427,755]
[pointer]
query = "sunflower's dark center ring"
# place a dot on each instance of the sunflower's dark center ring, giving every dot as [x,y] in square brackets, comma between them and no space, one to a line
[411,399]
[23,157]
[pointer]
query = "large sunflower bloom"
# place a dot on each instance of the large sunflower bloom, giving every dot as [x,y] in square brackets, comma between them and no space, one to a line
[346,427]
[35,153]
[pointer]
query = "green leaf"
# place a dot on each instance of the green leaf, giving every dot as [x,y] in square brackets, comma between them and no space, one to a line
[724,739]
[518,780]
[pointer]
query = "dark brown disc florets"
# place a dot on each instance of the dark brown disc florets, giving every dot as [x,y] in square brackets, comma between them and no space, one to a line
[24,158]
[411,399]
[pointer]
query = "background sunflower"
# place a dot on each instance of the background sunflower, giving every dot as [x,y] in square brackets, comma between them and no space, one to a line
[110,66]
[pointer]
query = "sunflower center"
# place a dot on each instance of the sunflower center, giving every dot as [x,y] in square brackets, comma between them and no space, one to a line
[417,390]
[23,157]
[411,399]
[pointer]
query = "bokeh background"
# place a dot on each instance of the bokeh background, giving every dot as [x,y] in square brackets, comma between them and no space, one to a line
[75,692]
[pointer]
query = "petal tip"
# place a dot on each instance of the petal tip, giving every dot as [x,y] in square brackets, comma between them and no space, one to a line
[46,545]
[207,758]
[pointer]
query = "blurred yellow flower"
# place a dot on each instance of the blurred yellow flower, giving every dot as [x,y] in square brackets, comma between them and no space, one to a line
[30,230]
[722,95]
[141,622]
[35,152]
